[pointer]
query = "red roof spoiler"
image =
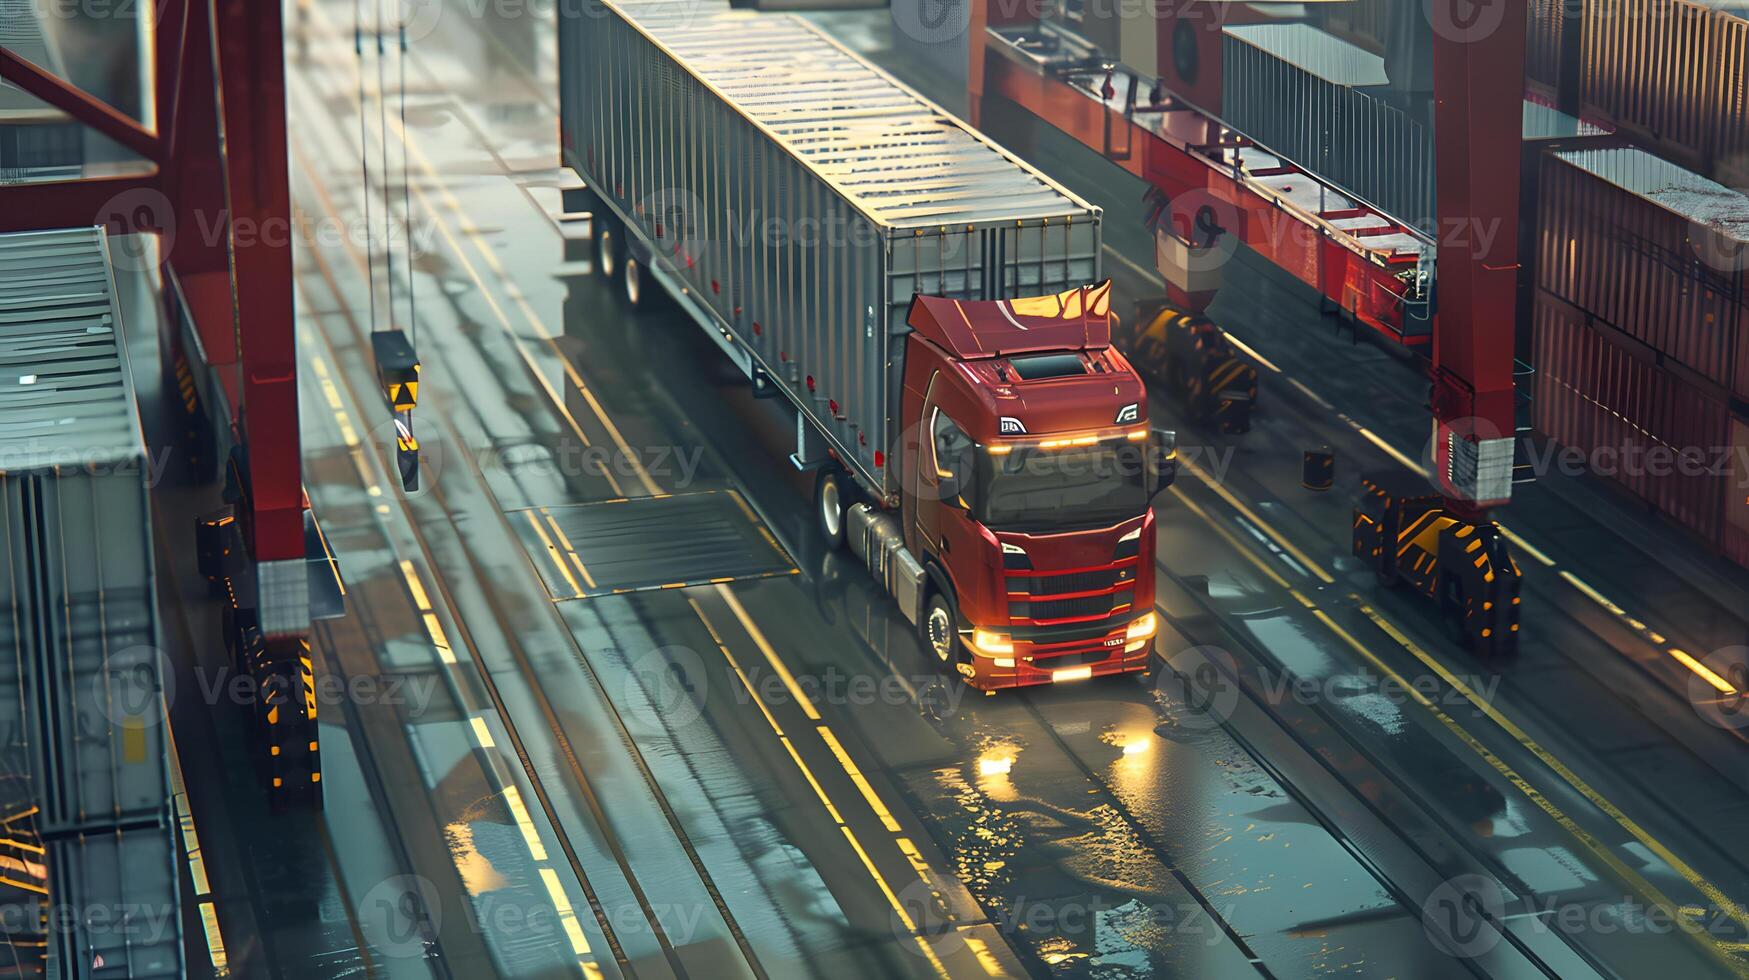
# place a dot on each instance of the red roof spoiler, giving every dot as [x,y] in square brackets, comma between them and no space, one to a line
[1076,319]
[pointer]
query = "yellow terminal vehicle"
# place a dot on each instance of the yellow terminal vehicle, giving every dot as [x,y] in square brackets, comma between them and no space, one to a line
[1404,533]
[1199,366]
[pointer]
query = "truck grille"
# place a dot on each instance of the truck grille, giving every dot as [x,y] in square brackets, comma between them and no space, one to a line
[1093,581]
[1093,605]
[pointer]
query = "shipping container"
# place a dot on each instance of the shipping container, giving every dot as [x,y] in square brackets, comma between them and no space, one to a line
[1544,41]
[1675,73]
[1668,442]
[1651,249]
[1330,107]
[37,141]
[82,713]
[803,197]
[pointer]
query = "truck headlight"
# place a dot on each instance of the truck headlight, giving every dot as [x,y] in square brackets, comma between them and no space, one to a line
[1142,627]
[991,643]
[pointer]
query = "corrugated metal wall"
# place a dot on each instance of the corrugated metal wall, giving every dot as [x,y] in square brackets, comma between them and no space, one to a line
[1593,395]
[1674,72]
[1639,266]
[1362,144]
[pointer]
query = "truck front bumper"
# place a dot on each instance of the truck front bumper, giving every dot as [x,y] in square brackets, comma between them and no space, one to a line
[1031,664]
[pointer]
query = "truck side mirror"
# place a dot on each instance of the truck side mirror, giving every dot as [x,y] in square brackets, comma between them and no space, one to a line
[1162,462]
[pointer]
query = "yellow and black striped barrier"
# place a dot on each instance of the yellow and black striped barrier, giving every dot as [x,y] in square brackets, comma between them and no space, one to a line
[1404,533]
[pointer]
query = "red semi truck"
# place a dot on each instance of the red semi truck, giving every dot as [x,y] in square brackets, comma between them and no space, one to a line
[928,303]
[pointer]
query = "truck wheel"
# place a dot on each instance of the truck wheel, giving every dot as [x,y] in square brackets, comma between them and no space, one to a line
[940,629]
[831,502]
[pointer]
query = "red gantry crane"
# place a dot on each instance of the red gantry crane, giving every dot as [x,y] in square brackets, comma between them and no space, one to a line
[1455,302]
[215,158]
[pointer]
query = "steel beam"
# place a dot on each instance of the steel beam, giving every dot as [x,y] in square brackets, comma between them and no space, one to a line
[1478,78]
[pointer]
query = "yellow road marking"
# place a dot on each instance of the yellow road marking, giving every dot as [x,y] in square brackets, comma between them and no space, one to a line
[553,552]
[1280,539]
[1713,894]
[808,773]
[777,665]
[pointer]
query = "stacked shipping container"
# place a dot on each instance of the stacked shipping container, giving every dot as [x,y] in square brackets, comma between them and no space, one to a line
[1640,332]
[1674,73]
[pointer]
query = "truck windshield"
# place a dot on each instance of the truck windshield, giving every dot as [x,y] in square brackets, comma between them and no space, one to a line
[1032,489]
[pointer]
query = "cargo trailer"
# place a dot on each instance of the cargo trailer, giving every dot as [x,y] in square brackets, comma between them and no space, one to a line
[83,731]
[927,302]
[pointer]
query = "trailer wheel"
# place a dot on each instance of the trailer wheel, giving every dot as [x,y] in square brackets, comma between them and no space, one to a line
[634,280]
[832,501]
[940,629]
[608,250]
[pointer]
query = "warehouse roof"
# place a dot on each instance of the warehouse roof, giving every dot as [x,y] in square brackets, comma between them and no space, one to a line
[903,160]
[65,395]
[1684,192]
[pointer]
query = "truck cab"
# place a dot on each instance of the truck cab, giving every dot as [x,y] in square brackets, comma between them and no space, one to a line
[1027,473]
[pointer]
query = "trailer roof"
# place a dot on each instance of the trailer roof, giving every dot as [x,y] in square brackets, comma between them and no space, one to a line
[65,394]
[904,161]
[1682,192]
